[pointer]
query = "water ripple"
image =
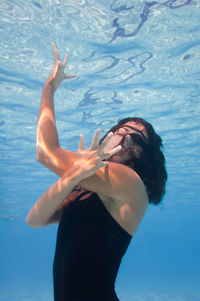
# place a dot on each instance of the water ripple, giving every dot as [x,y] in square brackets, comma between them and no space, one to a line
[19,78]
[180,49]
[133,58]
[120,31]
[171,3]
[120,8]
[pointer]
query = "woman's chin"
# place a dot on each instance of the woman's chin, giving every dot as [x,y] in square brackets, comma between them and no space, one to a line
[116,158]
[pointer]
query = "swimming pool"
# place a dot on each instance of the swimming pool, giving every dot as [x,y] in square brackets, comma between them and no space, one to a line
[133,58]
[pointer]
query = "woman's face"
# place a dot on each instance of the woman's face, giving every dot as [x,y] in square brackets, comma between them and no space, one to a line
[121,137]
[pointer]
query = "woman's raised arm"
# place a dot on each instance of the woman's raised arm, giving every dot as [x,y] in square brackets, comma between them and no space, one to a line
[48,150]
[48,207]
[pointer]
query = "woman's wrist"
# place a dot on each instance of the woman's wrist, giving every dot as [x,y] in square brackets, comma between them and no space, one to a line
[73,175]
[48,87]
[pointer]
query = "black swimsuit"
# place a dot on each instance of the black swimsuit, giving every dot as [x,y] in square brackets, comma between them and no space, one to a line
[89,249]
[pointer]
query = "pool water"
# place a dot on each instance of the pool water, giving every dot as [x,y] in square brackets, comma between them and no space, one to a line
[133,58]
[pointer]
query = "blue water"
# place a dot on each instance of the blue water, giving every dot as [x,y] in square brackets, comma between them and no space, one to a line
[133,58]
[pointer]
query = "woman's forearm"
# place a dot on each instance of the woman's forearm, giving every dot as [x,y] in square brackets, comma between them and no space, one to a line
[48,151]
[48,148]
[50,201]
[47,135]
[87,163]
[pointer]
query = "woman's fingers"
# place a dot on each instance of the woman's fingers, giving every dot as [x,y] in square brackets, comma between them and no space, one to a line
[105,142]
[95,155]
[55,51]
[95,141]
[68,76]
[65,60]
[110,153]
[82,143]
[61,65]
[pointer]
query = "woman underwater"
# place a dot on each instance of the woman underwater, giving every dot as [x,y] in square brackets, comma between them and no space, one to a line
[99,200]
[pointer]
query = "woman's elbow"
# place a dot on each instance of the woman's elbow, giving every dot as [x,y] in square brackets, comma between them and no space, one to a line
[33,223]
[41,156]
[38,157]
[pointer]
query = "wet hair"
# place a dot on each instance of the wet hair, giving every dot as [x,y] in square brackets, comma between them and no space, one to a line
[150,164]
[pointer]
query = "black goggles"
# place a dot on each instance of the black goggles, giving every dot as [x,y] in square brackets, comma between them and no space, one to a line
[136,139]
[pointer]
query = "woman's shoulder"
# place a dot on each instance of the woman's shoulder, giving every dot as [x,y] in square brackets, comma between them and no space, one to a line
[125,174]
[130,183]
[116,181]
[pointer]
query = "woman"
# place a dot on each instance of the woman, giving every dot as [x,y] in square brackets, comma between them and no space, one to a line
[99,200]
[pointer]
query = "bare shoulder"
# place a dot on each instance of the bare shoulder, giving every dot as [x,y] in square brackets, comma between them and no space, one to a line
[118,182]
[129,201]
[129,183]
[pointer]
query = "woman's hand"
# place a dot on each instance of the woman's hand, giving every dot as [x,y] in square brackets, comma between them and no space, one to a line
[58,75]
[89,161]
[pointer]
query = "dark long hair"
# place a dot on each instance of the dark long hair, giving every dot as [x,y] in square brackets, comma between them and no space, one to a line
[150,165]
